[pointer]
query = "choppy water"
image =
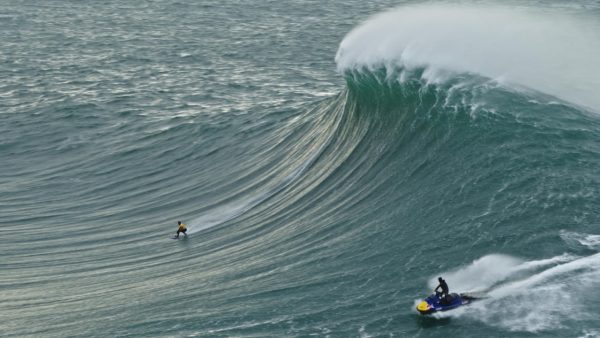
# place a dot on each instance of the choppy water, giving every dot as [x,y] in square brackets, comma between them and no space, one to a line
[330,165]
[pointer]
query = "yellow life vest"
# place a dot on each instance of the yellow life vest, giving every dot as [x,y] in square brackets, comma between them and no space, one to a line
[182,226]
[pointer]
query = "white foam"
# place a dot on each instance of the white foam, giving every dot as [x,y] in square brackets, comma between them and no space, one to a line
[490,270]
[578,239]
[556,53]
[546,300]
[530,296]
[590,263]
[590,334]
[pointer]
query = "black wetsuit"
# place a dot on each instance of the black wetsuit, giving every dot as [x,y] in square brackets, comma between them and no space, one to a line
[444,287]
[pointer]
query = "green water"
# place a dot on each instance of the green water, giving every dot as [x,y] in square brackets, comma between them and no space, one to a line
[322,198]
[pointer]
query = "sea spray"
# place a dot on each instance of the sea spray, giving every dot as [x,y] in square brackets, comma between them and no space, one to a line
[548,51]
[531,296]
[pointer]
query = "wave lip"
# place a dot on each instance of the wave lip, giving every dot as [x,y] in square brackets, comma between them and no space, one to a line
[555,53]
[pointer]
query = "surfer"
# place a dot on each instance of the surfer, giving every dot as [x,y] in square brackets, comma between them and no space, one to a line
[443,286]
[182,228]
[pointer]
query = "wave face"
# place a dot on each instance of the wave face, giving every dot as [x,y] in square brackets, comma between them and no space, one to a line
[317,203]
[476,164]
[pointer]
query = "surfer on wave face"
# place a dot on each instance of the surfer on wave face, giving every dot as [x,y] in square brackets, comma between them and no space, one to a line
[182,228]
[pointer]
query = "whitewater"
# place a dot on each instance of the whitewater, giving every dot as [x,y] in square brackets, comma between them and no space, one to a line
[331,161]
[547,50]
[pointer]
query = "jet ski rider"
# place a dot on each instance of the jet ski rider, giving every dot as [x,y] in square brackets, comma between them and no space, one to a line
[444,286]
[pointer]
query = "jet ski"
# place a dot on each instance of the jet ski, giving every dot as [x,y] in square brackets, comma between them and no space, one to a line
[436,303]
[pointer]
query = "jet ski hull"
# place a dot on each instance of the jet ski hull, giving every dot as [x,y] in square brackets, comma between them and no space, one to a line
[435,303]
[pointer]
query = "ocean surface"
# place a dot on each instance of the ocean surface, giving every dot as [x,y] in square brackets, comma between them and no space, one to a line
[330,158]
